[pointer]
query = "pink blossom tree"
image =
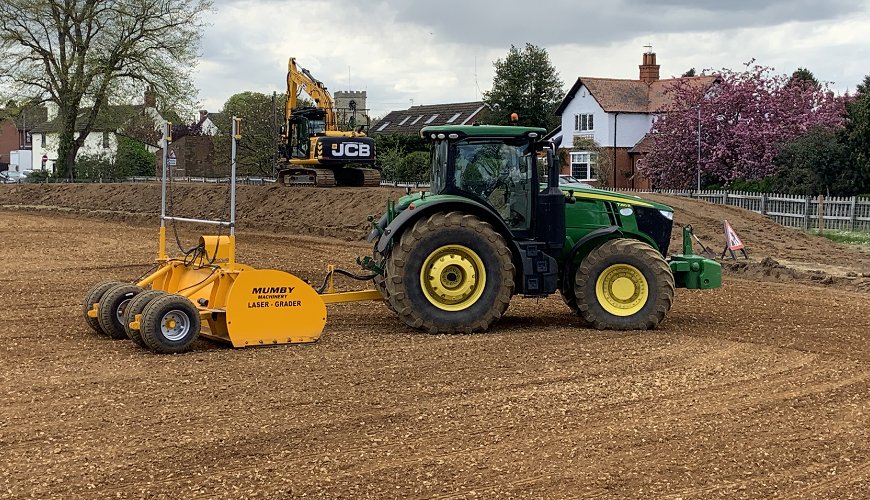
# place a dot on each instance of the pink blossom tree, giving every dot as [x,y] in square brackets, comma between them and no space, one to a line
[745,118]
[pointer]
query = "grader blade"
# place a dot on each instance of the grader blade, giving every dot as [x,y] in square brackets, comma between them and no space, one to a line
[267,306]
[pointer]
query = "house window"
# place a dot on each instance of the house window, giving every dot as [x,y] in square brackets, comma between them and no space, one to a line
[432,119]
[454,117]
[405,120]
[416,120]
[42,139]
[382,127]
[583,165]
[105,140]
[583,123]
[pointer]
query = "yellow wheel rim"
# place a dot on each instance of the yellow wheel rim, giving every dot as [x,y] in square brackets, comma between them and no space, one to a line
[622,290]
[453,277]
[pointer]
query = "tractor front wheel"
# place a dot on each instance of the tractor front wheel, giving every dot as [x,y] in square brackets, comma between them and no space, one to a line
[450,273]
[169,324]
[624,284]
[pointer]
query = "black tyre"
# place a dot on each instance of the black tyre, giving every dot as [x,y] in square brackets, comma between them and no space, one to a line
[136,306]
[380,282]
[570,300]
[113,304]
[169,324]
[450,273]
[624,284]
[93,297]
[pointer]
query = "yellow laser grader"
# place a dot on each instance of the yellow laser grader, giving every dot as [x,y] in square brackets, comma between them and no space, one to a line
[205,291]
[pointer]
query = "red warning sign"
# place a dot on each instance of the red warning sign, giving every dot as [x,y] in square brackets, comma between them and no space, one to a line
[732,239]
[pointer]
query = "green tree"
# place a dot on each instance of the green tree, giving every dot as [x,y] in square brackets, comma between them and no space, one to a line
[526,83]
[256,149]
[857,135]
[689,73]
[81,55]
[815,163]
[132,158]
[806,77]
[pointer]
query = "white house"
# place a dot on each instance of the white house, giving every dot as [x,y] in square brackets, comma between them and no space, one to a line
[103,138]
[617,115]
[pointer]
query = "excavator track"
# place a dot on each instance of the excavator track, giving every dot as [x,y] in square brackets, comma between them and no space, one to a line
[371,177]
[323,177]
[326,177]
[301,176]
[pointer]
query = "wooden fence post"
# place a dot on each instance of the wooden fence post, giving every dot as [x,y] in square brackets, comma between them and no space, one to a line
[852,209]
[763,203]
[821,204]
[806,213]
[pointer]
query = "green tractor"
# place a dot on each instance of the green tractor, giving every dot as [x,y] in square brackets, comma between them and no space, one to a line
[492,226]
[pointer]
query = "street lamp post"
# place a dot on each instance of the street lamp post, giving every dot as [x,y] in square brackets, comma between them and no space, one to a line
[699,148]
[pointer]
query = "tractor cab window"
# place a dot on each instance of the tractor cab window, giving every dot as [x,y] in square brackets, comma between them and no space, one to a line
[438,175]
[499,172]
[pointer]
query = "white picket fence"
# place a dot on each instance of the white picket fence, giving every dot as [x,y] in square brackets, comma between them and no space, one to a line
[837,212]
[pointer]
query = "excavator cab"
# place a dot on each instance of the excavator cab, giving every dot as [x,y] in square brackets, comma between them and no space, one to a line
[303,124]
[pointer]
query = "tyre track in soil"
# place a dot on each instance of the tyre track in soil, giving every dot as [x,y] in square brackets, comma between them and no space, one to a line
[479,417]
[235,468]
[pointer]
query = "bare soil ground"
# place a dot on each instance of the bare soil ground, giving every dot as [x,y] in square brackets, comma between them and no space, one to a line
[760,389]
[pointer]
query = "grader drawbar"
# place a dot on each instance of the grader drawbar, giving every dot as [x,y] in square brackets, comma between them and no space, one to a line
[206,292]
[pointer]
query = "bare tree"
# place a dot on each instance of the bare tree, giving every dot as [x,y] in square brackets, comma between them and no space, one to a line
[83,54]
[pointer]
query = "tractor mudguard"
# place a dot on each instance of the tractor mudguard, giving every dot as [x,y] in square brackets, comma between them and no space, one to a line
[569,262]
[409,216]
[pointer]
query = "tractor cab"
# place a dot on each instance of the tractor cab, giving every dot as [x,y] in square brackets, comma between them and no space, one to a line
[498,168]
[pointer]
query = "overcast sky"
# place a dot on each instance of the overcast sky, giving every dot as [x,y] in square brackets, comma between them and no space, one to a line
[442,51]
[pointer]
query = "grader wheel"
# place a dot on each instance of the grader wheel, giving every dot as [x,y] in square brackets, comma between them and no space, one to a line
[450,273]
[624,284]
[113,304]
[136,306]
[170,324]
[93,297]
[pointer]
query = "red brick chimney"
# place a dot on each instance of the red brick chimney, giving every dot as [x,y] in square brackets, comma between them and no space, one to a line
[150,98]
[649,70]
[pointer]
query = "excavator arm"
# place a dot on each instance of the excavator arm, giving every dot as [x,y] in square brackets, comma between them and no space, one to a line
[298,77]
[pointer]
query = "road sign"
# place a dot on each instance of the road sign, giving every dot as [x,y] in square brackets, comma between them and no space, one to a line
[733,242]
[172,161]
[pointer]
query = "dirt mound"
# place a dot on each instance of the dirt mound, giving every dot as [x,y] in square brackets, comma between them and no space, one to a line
[342,212]
[806,255]
[337,212]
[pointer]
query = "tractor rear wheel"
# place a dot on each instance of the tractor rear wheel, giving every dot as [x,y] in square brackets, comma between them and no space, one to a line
[136,306]
[450,273]
[113,304]
[380,282]
[624,284]
[170,324]
[93,297]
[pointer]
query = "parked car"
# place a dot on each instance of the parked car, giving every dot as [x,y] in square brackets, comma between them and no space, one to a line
[565,180]
[11,176]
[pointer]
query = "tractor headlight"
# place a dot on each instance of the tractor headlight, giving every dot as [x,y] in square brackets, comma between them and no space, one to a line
[668,215]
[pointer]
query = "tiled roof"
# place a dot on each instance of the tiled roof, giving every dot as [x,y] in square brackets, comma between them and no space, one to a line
[110,118]
[644,146]
[631,96]
[30,117]
[411,120]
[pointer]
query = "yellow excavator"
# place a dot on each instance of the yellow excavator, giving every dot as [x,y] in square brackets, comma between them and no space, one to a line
[313,150]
